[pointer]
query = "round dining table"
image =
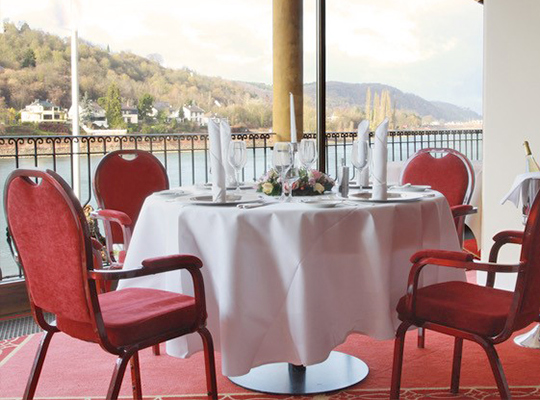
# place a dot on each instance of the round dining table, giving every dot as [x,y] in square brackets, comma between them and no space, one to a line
[287,282]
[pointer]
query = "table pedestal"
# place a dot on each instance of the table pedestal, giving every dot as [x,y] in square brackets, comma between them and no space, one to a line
[530,339]
[337,372]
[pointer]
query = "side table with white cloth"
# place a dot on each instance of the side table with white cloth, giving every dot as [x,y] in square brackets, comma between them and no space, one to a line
[288,282]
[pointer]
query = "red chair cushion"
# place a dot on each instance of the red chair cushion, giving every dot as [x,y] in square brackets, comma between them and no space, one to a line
[465,306]
[132,315]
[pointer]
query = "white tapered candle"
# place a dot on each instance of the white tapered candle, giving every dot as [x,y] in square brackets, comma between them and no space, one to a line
[293,119]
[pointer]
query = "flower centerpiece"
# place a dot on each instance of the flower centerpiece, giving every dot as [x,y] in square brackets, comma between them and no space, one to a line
[309,183]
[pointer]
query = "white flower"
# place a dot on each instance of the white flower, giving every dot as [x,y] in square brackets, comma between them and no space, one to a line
[318,188]
[267,188]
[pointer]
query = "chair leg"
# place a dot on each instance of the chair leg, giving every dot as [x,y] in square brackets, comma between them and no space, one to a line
[456,365]
[38,365]
[421,338]
[210,364]
[399,344]
[496,367]
[155,350]
[136,376]
[118,374]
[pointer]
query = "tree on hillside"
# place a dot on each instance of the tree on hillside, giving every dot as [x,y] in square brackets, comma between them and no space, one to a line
[113,106]
[146,102]
[29,59]
[368,104]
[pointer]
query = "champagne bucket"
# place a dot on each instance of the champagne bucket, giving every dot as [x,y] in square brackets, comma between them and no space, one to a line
[528,197]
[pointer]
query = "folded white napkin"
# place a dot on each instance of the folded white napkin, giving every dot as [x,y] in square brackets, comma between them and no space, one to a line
[380,161]
[219,187]
[525,186]
[362,178]
[226,139]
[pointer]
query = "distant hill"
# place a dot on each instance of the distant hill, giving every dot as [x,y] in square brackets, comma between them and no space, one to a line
[36,64]
[343,95]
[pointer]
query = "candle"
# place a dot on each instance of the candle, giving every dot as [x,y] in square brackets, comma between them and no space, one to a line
[293,119]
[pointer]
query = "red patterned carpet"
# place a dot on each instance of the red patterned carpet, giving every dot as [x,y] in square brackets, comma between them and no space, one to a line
[77,370]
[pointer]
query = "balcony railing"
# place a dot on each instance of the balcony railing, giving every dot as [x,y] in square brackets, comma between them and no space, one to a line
[186,158]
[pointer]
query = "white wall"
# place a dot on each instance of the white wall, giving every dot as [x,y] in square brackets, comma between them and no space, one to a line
[511,110]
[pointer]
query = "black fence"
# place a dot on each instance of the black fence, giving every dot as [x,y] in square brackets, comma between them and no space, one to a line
[186,158]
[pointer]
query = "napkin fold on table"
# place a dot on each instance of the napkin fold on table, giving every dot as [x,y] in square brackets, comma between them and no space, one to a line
[380,162]
[362,178]
[226,139]
[217,159]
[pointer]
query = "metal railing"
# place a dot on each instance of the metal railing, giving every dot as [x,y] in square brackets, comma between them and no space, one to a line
[186,158]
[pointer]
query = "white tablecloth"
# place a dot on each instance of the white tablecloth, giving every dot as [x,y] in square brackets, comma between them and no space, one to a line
[288,282]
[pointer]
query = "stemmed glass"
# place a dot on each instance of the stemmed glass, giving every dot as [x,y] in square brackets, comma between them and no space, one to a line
[360,157]
[283,160]
[291,177]
[237,158]
[307,152]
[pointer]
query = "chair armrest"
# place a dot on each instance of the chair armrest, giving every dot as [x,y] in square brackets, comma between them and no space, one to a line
[463,210]
[500,239]
[112,216]
[452,259]
[441,254]
[509,237]
[151,266]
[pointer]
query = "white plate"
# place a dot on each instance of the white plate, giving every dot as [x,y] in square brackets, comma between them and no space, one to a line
[411,188]
[243,186]
[392,197]
[230,200]
[172,193]
[353,185]
[322,203]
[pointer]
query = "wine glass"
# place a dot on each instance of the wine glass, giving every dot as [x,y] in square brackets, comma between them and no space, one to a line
[282,160]
[307,152]
[292,175]
[360,158]
[237,158]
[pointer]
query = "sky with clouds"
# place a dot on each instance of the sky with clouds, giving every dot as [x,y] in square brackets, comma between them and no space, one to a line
[432,48]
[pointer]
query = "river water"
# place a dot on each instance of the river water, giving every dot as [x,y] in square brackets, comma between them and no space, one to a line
[191,168]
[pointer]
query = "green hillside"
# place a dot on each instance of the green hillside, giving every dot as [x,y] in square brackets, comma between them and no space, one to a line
[36,65]
[21,83]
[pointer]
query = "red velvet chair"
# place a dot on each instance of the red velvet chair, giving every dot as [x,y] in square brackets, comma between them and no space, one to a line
[481,314]
[123,180]
[52,239]
[452,175]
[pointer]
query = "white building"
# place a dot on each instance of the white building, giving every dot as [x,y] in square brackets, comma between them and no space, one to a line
[163,107]
[193,114]
[96,115]
[130,115]
[43,111]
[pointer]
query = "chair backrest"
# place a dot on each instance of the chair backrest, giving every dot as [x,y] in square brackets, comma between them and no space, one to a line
[527,293]
[124,179]
[452,174]
[51,236]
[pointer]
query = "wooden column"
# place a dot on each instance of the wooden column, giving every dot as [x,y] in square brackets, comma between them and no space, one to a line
[288,66]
